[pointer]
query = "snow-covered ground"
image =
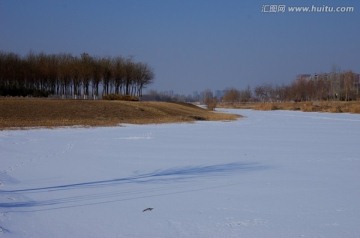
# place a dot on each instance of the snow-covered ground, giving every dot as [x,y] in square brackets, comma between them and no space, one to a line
[270,174]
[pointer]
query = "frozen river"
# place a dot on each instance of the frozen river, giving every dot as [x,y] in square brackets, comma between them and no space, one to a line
[269,174]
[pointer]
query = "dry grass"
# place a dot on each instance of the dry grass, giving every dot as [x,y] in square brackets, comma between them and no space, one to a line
[318,106]
[24,113]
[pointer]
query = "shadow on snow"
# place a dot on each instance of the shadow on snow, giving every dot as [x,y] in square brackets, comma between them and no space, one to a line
[167,175]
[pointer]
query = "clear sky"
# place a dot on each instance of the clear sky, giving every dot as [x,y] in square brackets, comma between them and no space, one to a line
[191,44]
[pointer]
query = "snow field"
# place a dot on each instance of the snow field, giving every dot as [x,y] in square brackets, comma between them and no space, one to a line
[270,174]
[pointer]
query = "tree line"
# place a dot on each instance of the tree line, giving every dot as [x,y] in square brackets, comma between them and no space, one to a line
[344,86]
[68,76]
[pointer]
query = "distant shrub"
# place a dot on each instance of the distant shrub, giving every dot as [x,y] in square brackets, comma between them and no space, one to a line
[307,107]
[209,100]
[336,108]
[211,104]
[268,106]
[120,97]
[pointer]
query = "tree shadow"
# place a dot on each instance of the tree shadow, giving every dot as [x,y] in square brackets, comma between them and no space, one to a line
[158,176]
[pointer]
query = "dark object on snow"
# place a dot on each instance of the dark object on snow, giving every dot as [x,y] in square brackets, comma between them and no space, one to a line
[148,209]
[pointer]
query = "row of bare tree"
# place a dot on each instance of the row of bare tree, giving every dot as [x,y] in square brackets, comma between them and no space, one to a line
[66,75]
[333,86]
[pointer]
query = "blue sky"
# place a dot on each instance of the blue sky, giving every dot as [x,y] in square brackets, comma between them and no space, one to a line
[191,44]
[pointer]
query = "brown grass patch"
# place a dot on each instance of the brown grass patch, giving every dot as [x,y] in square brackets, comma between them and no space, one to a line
[318,106]
[22,113]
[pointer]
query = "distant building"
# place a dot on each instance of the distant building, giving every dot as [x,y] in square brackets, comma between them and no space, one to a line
[303,77]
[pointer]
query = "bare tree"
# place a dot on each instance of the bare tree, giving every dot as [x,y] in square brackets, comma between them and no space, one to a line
[118,69]
[144,76]
[209,100]
[245,95]
[348,83]
[106,74]
[264,92]
[231,95]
